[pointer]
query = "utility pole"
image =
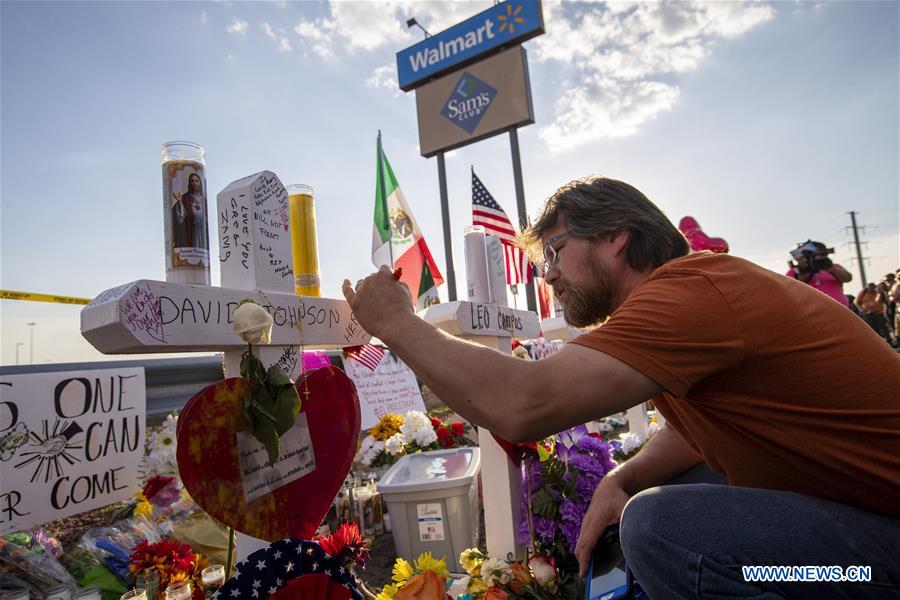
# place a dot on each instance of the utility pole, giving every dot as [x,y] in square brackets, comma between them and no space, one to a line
[859,256]
[17,350]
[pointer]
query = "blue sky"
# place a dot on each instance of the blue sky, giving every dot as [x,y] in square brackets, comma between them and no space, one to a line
[767,122]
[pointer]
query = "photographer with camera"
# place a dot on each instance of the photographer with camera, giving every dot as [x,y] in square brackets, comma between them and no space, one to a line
[813,267]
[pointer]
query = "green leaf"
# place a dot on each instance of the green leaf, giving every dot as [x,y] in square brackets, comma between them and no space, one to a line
[277,377]
[543,504]
[543,453]
[265,433]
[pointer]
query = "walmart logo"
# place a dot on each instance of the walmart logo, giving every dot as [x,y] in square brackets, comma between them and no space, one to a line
[469,102]
[509,20]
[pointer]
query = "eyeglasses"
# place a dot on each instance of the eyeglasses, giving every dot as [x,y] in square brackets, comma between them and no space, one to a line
[551,256]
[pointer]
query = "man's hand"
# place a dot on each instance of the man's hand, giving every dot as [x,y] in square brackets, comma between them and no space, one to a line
[378,299]
[605,509]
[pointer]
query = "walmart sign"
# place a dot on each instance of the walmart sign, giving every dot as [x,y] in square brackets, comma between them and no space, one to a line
[506,23]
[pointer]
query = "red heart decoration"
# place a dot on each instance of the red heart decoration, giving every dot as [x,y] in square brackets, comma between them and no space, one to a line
[516,452]
[208,457]
[698,239]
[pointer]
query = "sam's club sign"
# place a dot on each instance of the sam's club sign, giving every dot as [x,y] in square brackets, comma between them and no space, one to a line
[501,25]
[468,102]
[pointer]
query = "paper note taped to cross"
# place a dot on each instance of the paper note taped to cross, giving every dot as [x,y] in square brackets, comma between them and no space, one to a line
[69,442]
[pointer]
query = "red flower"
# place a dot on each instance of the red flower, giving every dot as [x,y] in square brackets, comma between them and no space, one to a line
[346,544]
[155,484]
[442,433]
[435,422]
[457,428]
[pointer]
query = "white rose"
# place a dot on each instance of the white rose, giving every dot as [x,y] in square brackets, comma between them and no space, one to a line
[544,570]
[253,323]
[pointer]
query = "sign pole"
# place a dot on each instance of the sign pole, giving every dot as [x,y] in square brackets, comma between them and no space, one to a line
[445,218]
[520,204]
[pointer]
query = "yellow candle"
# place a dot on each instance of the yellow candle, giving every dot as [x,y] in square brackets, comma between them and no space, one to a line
[304,240]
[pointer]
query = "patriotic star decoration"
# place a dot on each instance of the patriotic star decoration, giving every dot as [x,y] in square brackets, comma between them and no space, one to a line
[262,571]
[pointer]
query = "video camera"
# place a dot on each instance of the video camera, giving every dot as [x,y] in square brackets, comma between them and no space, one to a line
[807,250]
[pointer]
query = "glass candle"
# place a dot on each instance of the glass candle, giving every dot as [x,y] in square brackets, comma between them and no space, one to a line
[185,212]
[179,591]
[213,578]
[304,240]
[134,594]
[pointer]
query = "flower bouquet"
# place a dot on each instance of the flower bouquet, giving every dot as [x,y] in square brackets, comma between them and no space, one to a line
[171,562]
[414,432]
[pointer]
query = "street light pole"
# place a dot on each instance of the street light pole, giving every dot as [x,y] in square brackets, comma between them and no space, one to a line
[17,350]
[31,344]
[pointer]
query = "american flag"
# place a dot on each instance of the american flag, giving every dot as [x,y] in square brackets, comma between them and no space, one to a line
[367,354]
[487,213]
[271,569]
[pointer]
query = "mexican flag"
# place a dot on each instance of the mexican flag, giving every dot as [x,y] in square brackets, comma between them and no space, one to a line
[397,240]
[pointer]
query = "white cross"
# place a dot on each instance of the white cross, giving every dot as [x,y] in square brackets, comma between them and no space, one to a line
[255,260]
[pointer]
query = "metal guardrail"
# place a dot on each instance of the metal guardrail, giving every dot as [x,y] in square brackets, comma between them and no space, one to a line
[171,382]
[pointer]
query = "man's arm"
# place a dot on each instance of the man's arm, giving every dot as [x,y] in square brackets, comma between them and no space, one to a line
[665,456]
[519,400]
[840,273]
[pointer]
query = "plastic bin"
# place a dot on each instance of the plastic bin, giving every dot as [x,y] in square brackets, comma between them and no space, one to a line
[432,498]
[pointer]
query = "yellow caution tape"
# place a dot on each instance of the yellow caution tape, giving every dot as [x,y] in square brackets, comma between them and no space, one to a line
[11,295]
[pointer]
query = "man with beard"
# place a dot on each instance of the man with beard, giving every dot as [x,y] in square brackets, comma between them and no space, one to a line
[787,419]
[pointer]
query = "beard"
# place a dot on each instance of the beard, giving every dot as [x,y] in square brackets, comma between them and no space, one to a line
[590,303]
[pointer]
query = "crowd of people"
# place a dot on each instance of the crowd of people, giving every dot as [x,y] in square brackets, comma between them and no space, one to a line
[876,304]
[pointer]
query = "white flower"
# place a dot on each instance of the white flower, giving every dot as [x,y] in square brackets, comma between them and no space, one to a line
[367,444]
[630,442]
[253,323]
[413,421]
[459,587]
[495,572]
[425,437]
[369,456]
[395,444]
[652,428]
[544,571]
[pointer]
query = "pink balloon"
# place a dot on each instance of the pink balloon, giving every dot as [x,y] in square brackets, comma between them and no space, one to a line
[698,239]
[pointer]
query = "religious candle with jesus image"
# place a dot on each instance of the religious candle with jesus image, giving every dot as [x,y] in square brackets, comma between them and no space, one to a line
[184,213]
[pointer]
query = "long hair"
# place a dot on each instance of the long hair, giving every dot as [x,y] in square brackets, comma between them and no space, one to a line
[601,208]
[200,179]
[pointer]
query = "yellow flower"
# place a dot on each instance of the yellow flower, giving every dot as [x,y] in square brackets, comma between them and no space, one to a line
[387,593]
[477,586]
[426,562]
[402,571]
[387,426]
[143,509]
[471,559]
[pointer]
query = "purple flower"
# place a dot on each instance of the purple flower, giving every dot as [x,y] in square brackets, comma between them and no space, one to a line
[589,443]
[588,464]
[544,528]
[570,437]
[571,530]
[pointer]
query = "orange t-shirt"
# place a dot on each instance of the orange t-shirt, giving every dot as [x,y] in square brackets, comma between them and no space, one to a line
[775,384]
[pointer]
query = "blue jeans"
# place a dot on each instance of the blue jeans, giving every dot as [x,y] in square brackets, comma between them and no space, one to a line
[690,540]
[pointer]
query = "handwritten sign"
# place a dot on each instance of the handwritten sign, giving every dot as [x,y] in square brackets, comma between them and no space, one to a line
[155,316]
[296,460]
[472,318]
[69,442]
[254,232]
[391,388]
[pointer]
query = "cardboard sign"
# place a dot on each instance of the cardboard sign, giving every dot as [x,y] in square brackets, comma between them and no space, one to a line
[69,442]
[391,388]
